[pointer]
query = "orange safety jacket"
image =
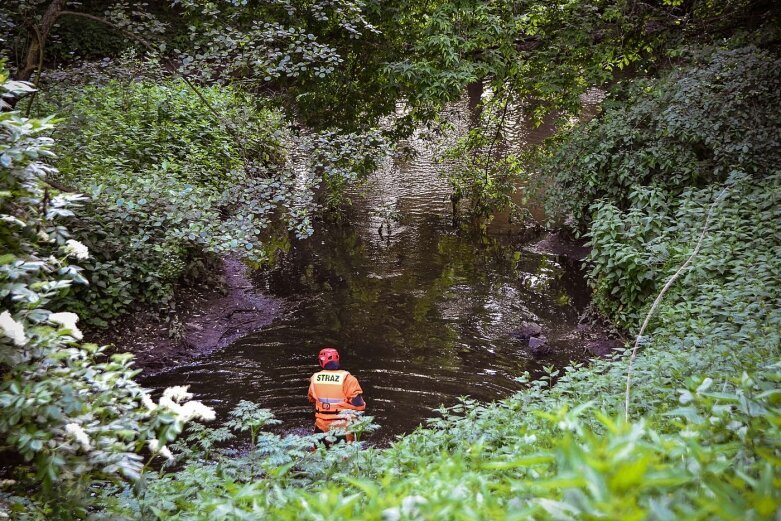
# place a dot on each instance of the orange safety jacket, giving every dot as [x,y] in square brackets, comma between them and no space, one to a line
[332,392]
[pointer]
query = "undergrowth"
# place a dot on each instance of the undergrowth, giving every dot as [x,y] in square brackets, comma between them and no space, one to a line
[702,440]
[169,187]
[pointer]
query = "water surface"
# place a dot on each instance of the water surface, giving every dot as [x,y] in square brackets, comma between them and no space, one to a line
[421,313]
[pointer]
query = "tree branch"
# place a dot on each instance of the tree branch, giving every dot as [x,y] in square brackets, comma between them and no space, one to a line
[59,186]
[41,45]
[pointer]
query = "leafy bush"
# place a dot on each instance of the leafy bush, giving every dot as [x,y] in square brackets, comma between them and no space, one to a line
[343,159]
[72,415]
[631,252]
[483,177]
[689,129]
[631,174]
[635,252]
[169,186]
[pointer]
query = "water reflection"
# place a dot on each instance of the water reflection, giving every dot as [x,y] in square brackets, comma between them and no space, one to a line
[421,314]
[420,320]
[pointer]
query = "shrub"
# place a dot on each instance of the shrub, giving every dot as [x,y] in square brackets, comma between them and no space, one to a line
[635,252]
[169,186]
[689,129]
[482,176]
[72,415]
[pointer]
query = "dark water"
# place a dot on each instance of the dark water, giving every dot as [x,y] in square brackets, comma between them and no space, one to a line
[421,314]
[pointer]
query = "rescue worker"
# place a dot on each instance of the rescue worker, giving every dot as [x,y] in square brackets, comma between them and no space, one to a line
[333,391]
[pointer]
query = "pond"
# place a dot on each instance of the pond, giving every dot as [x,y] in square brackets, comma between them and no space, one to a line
[421,313]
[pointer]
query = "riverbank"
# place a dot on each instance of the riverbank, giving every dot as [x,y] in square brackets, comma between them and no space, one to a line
[209,318]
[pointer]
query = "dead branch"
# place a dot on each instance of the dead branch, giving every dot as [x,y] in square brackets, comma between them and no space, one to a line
[661,294]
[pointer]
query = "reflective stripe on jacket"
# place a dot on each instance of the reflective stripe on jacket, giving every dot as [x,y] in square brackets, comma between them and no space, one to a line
[331,392]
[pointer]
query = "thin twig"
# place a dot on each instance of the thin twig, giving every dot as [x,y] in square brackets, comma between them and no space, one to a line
[659,299]
[499,127]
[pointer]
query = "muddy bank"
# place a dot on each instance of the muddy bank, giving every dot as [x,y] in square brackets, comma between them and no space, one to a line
[209,318]
[555,244]
[594,334]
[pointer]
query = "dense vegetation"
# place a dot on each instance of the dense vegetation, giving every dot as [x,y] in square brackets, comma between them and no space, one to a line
[623,177]
[169,162]
[167,187]
[62,399]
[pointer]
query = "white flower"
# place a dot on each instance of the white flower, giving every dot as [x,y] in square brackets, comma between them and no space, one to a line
[68,321]
[177,393]
[75,430]
[166,453]
[156,448]
[172,398]
[147,402]
[188,410]
[197,410]
[409,505]
[43,236]
[391,514]
[167,403]
[12,220]
[12,329]
[76,249]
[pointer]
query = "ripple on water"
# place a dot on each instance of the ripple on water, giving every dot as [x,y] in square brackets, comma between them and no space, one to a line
[421,314]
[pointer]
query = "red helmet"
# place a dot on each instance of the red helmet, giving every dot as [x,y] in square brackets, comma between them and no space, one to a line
[328,354]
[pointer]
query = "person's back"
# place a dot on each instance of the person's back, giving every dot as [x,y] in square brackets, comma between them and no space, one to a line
[333,391]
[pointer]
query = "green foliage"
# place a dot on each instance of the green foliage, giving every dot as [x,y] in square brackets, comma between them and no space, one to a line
[635,252]
[230,483]
[632,252]
[200,441]
[691,128]
[169,186]
[247,416]
[73,415]
[483,172]
[549,52]
[515,51]
[456,43]
[633,174]
[702,442]
[343,159]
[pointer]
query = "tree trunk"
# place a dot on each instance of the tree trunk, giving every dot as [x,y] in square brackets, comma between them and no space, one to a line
[475,92]
[38,35]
